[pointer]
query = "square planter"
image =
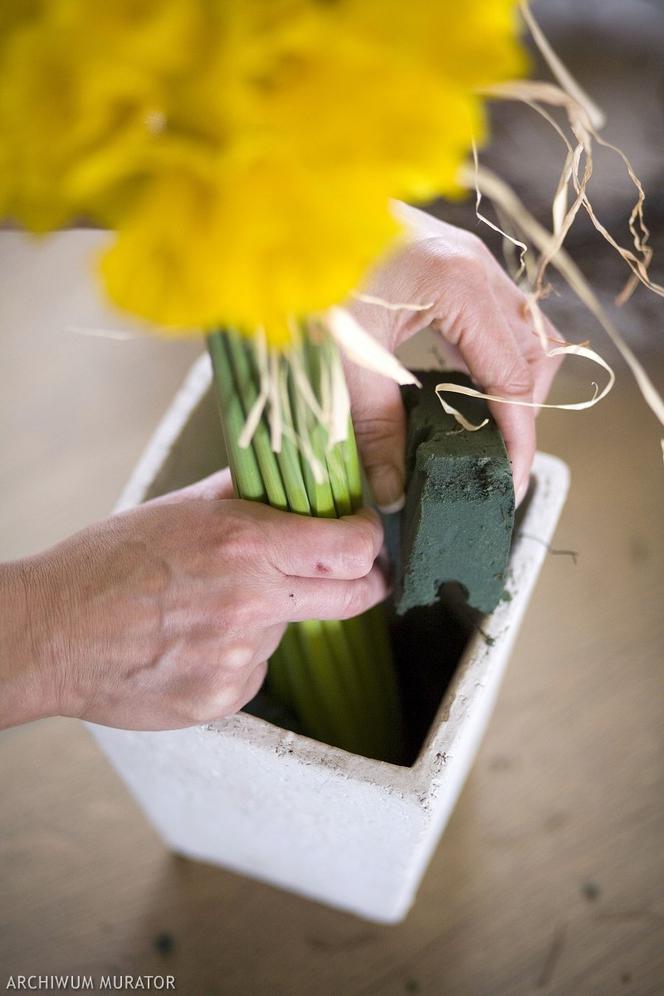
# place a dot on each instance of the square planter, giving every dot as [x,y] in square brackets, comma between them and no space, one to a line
[351,832]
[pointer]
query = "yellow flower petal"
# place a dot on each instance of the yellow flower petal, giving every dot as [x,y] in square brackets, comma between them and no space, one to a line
[245,152]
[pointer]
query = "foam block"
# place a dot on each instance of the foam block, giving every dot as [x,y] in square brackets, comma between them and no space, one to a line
[459,514]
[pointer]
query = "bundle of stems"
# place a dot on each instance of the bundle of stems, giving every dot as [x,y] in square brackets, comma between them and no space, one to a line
[337,678]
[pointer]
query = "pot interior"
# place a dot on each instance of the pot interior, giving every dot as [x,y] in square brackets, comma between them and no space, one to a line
[428,643]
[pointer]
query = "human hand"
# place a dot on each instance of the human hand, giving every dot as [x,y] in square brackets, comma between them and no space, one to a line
[164,616]
[484,326]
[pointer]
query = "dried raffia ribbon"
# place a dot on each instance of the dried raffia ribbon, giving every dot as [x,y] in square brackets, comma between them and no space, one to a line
[256,410]
[584,119]
[276,417]
[559,69]
[533,93]
[516,243]
[498,191]
[575,406]
[361,347]
[340,401]
[390,305]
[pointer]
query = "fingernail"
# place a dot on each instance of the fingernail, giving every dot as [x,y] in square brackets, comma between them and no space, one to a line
[387,485]
[521,490]
[395,506]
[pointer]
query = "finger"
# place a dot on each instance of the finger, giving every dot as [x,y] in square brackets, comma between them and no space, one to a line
[544,368]
[339,549]
[255,681]
[544,371]
[379,422]
[517,314]
[252,685]
[217,486]
[267,644]
[307,598]
[517,426]
[498,365]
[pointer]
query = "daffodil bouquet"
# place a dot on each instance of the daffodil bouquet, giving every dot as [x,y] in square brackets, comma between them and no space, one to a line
[244,153]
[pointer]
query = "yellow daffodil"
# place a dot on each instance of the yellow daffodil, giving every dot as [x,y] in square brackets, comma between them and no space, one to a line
[244,151]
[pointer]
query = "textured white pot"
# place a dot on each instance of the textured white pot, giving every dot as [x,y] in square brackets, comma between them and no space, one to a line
[348,831]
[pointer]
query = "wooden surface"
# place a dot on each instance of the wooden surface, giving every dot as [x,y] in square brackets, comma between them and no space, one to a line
[550,877]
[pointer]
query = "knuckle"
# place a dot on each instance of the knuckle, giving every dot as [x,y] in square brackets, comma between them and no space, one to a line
[252,686]
[477,247]
[466,321]
[465,325]
[517,382]
[239,610]
[214,693]
[364,549]
[222,705]
[215,703]
[237,658]
[219,694]
[355,599]
[375,430]
[238,538]
[422,251]
[469,266]
[346,609]
[357,552]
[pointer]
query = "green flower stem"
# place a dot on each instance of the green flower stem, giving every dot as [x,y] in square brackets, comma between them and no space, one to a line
[369,690]
[320,494]
[336,470]
[374,659]
[336,648]
[246,387]
[289,671]
[310,698]
[290,680]
[337,677]
[374,682]
[353,468]
[382,676]
[331,692]
[364,716]
[246,475]
[289,457]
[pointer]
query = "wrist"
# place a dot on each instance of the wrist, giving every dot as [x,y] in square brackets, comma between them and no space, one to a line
[29,684]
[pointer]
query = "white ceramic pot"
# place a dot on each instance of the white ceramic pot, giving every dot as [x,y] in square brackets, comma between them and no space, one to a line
[351,832]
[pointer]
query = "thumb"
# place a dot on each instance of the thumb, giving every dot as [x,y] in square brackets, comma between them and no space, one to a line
[213,488]
[379,421]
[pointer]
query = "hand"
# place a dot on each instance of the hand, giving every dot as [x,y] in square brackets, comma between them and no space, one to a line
[164,616]
[484,326]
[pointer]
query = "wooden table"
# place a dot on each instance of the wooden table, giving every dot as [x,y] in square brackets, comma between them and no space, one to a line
[549,878]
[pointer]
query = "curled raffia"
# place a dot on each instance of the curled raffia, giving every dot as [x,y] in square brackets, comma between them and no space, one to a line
[584,119]
[575,406]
